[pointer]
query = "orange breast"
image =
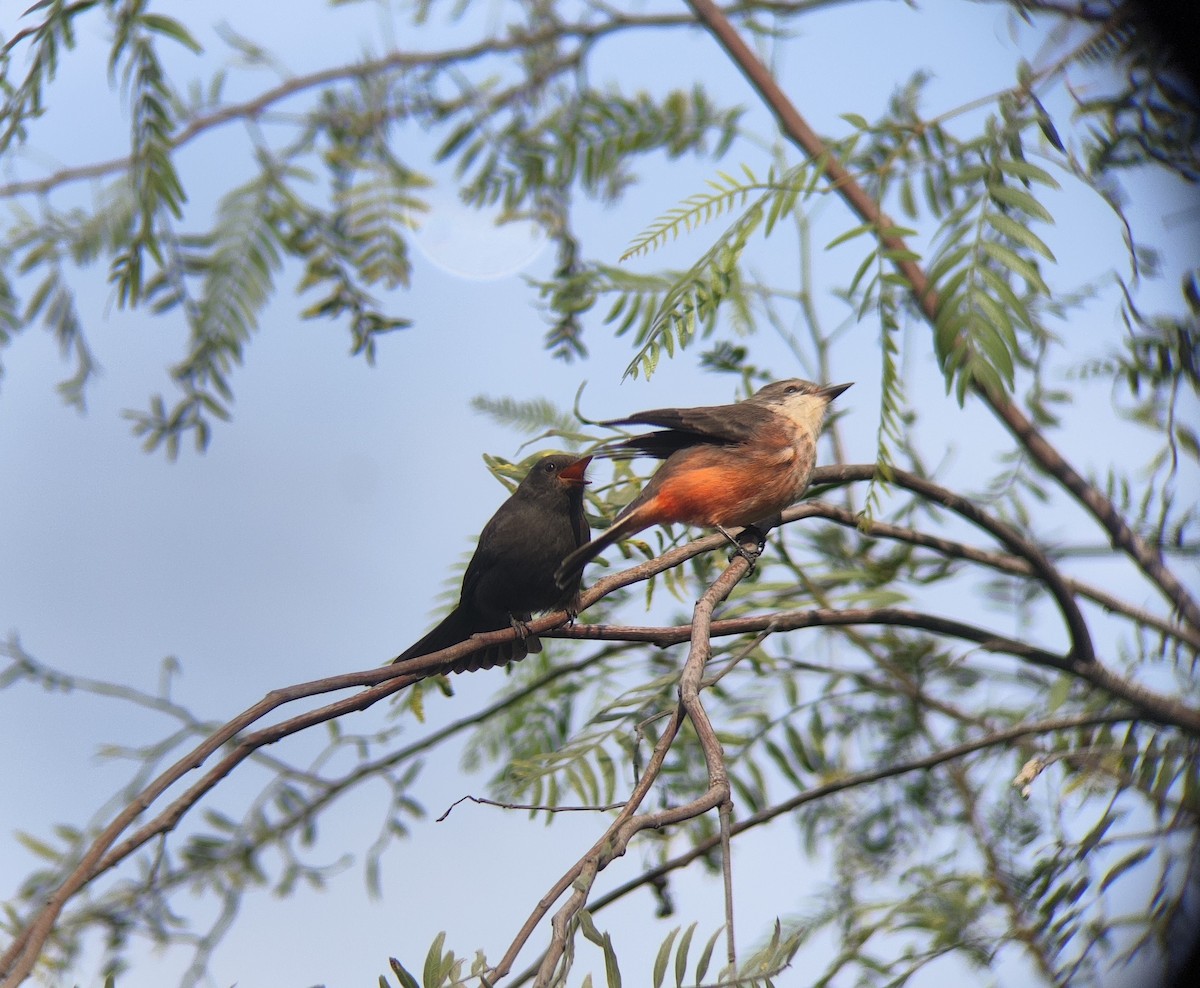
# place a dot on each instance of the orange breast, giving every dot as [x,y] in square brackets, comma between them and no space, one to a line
[729,487]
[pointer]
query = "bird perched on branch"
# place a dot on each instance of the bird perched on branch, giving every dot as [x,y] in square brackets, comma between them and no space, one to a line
[511,574]
[724,465]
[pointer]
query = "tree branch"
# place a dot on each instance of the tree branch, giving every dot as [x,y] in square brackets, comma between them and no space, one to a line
[998,561]
[101,855]
[854,780]
[628,823]
[796,129]
[517,40]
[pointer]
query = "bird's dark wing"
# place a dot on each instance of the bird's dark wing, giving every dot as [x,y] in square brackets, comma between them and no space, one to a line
[579,524]
[657,444]
[723,423]
[486,558]
[685,427]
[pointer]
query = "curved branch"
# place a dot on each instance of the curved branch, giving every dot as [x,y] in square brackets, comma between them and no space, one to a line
[665,636]
[628,823]
[1082,649]
[1153,705]
[994,560]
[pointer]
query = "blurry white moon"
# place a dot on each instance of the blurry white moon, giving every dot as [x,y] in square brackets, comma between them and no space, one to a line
[469,242]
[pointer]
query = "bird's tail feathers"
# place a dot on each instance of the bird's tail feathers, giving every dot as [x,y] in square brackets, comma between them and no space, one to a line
[458,626]
[568,573]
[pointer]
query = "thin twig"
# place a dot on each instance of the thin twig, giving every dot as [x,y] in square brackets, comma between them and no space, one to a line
[535,807]
[857,780]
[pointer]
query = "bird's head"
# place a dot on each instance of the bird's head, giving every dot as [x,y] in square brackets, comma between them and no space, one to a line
[804,402]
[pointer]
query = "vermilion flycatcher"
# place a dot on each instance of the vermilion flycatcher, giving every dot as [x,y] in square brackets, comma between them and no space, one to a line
[511,574]
[726,465]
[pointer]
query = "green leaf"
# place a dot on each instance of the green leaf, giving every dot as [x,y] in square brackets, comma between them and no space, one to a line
[38,847]
[170,28]
[587,926]
[664,955]
[681,955]
[1007,258]
[855,231]
[1005,295]
[431,977]
[706,956]
[863,268]
[1028,172]
[782,763]
[1015,198]
[1060,690]
[406,979]
[1021,234]
[1122,866]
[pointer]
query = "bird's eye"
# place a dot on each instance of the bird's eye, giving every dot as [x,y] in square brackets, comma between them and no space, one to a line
[550,468]
[791,389]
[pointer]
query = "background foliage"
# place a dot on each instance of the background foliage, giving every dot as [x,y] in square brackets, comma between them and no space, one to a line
[957,694]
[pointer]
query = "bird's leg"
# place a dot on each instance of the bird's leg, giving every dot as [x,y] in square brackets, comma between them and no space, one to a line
[746,534]
[519,625]
[531,643]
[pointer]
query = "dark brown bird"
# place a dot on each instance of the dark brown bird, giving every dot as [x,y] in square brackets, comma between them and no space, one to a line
[725,465]
[511,574]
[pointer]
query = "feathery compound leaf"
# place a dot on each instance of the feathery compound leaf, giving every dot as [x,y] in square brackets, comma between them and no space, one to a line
[695,211]
[431,977]
[530,416]
[695,297]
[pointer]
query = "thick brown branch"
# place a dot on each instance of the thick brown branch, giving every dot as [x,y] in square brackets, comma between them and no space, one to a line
[995,560]
[778,621]
[1154,706]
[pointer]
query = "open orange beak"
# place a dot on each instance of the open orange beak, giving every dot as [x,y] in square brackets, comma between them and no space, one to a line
[573,474]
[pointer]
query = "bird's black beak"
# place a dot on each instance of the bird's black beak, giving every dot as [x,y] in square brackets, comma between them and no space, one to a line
[831,391]
[573,473]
